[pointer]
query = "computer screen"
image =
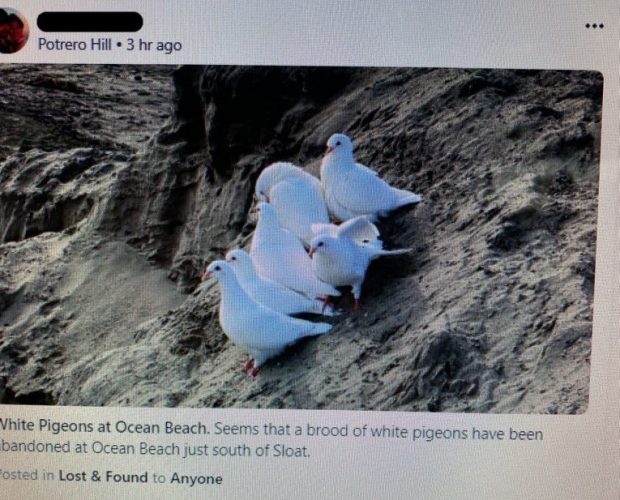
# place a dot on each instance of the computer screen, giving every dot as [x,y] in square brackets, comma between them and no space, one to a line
[309,250]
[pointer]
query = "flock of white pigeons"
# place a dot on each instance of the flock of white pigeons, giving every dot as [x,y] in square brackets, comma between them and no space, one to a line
[298,257]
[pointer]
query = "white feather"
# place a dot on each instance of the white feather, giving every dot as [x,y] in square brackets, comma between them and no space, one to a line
[262,332]
[269,293]
[359,229]
[295,195]
[279,256]
[352,189]
[342,261]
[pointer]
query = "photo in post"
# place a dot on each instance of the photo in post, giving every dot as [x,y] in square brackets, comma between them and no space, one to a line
[463,210]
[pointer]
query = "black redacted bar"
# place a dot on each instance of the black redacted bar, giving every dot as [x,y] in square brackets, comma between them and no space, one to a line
[90,21]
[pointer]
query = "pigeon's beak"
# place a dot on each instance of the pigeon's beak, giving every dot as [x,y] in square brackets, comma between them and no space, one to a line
[311,252]
[328,150]
[206,275]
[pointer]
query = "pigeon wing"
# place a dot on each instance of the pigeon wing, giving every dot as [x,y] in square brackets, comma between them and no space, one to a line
[362,192]
[322,229]
[299,203]
[364,167]
[359,229]
[272,330]
[285,261]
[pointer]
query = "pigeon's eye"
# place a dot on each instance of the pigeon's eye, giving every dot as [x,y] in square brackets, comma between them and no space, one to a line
[233,258]
[338,143]
[320,244]
[218,268]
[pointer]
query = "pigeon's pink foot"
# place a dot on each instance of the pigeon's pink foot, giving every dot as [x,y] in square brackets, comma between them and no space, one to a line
[356,304]
[253,372]
[327,301]
[249,368]
[248,365]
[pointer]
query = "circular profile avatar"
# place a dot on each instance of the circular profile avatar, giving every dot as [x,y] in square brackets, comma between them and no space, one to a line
[13,31]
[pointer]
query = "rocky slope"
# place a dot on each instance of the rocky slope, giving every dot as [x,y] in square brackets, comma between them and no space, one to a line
[118,184]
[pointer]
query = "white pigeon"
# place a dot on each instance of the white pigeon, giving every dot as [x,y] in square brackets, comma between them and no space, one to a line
[341,261]
[296,196]
[352,189]
[360,229]
[279,256]
[264,333]
[269,293]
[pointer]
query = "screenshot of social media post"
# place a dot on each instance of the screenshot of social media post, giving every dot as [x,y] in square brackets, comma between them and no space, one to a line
[293,250]
[408,239]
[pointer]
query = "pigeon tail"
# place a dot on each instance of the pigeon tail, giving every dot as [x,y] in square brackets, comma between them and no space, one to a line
[319,329]
[407,197]
[383,253]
